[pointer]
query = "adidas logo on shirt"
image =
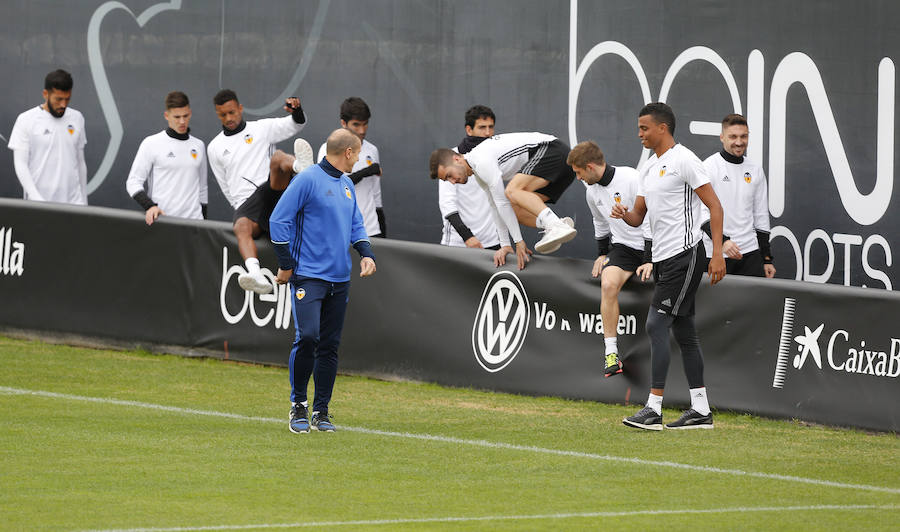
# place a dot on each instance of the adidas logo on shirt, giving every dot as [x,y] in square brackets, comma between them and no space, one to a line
[172,155]
[226,153]
[666,302]
[725,179]
[46,132]
[329,193]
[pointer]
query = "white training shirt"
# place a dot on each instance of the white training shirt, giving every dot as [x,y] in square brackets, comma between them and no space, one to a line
[240,161]
[667,184]
[744,196]
[175,173]
[474,210]
[368,190]
[622,188]
[53,152]
[495,161]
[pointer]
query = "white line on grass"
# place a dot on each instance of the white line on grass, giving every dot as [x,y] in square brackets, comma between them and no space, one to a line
[461,441]
[638,513]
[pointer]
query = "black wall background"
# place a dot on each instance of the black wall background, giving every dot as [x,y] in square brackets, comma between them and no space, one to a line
[419,65]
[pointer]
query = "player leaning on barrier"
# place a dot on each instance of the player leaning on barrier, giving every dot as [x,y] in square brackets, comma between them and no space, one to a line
[313,226]
[239,158]
[621,249]
[534,164]
[672,186]
[740,184]
[168,175]
[465,210]
[48,146]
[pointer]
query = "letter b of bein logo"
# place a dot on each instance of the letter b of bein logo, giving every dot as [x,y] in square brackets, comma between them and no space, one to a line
[501,322]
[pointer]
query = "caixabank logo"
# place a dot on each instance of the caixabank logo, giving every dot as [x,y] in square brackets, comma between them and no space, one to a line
[501,322]
[827,347]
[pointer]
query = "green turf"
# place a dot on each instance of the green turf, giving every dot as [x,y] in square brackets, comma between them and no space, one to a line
[72,464]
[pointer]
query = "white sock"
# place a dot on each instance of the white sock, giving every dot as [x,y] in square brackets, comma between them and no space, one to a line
[304,403]
[252,264]
[611,345]
[546,218]
[699,401]
[655,402]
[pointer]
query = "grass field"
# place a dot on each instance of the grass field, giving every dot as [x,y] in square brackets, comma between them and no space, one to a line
[100,440]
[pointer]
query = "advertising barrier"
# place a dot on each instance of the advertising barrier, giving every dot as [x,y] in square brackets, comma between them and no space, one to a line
[778,348]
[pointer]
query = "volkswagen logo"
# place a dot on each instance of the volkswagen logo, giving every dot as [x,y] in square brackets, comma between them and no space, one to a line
[501,322]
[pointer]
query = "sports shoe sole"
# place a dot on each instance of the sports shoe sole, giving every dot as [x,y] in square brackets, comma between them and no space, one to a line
[303,153]
[642,426]
[609,374]
[698,426]
[297,431]
[553,245]
[248,282]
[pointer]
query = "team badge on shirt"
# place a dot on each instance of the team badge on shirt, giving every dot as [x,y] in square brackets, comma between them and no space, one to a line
[347,192]
[71,129]
[369,160]
[617,197]
[300,293]
[248,138]
[662,171]
[747,177]
[194,153]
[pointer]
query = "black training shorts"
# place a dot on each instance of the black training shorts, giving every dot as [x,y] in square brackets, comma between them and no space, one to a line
[677,279]
[259,206]
[548,161]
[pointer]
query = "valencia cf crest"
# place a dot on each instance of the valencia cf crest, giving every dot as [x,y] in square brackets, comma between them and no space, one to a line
[300,294]
[347,192]
[194,153]
[70,129]
[747,177]
[617,197]
[369,160]
[662,171]
[248,138]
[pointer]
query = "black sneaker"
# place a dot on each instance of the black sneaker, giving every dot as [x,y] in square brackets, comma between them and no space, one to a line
[322,422]
[646,419]
[691,419]
[613,365]
[299,420]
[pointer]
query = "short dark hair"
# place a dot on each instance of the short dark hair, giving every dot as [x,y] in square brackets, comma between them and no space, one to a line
[58,79]
[439,157]
[354,108]
[661,113]
[479,111]
[176,99]
[584,153]
[224,96]
[734,119]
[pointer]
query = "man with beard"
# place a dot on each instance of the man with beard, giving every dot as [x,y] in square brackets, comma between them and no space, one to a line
[48,146]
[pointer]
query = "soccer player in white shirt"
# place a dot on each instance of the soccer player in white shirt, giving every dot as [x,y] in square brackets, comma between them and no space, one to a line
[171,165]
[740,184]
[464,207]
[239,157]
[672,186]
[534,164]
[366,173]
[48,146]
[607,185]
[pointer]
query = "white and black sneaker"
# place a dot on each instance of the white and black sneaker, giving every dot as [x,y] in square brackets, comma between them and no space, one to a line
[255,282]
[691,419]
[646,419]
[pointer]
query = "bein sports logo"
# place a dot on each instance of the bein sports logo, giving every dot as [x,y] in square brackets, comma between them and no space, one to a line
[840,354]
[501,322]
[280,315]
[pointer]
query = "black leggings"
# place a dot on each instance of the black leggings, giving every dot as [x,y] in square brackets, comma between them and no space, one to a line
[658,325]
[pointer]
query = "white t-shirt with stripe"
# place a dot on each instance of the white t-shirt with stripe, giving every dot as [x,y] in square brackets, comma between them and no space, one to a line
[743,193]
[175,174]
[368,190]
[497,160]
[240,161]
[667,184]
[55,149]
[601,198]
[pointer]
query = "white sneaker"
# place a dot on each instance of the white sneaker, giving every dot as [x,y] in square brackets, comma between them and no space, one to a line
[255,282]
[303,154]
[545,246]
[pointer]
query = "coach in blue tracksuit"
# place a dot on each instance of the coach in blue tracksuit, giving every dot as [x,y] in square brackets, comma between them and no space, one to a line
[312,228]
